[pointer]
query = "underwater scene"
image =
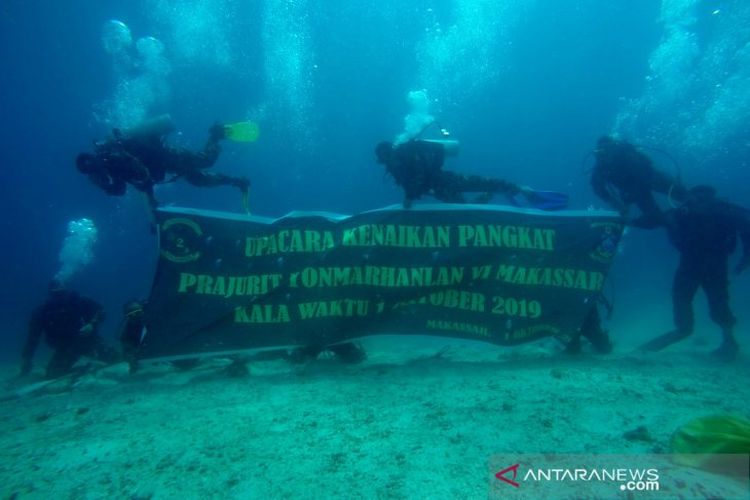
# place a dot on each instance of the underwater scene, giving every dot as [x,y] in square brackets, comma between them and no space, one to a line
[390,250]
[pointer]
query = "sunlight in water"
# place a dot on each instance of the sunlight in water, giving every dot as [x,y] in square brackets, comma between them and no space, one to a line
[697,94]
[462,54]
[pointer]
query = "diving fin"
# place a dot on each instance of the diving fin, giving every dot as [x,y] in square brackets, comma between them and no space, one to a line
[547,200]
[242,131]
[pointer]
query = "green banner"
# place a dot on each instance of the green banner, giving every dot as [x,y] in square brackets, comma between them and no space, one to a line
[502,275]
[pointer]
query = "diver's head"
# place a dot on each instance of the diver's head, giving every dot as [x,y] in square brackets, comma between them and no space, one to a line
[87,163]
[384,152]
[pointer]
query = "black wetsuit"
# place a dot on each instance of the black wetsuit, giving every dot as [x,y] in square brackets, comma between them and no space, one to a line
[705,231]
[622,176]
[144,161]
[417,165]
[60,320]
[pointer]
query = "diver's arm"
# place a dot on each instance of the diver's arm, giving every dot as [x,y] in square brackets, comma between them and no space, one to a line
[206,179]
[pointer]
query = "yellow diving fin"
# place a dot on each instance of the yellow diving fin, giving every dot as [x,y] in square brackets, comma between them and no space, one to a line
[242,131]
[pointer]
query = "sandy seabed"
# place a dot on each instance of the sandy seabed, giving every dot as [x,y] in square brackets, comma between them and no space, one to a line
[420,418]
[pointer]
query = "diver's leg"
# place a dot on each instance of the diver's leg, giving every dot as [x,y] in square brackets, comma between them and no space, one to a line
[205,179]
[485,185]
[592,330]
[181,160]
[211,150]
[447,187]
[130,341]
[716,285]
[574,344]
[685,285]
[477,183]
[130,354]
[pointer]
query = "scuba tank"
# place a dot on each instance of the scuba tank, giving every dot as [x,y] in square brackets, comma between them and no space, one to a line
[157,126]
[450,146]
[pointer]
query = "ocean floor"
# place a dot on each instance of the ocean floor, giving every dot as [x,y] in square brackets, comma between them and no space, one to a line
[420,418]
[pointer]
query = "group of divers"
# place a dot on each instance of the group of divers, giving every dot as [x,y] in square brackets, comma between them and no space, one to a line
[702,227]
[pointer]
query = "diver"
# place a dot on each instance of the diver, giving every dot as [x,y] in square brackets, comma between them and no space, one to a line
[623,176]
[417,166]
[132,333]
[704,230]
[68,323]
[142,158]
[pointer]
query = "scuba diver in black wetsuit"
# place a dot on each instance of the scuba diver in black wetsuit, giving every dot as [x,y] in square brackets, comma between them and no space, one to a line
[68,323]
[417,166]
[141,158]
[622,176]
[705,230]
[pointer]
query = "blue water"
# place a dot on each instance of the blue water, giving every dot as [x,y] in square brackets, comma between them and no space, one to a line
[526,88]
